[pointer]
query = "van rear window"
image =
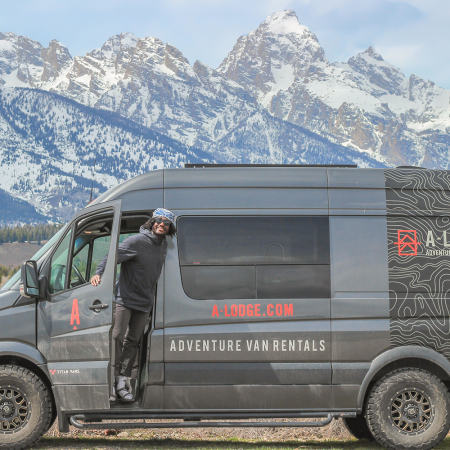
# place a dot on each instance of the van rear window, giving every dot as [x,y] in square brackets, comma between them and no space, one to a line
[254,257]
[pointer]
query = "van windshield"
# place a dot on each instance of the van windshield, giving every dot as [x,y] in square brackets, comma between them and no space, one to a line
[42,251]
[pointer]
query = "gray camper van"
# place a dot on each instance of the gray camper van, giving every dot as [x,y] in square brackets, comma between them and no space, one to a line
[289,292]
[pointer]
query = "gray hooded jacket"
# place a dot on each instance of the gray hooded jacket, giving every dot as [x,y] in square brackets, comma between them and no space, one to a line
[142,257]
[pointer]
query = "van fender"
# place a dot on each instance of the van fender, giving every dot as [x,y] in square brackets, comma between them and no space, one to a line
[25,351]
[396,354]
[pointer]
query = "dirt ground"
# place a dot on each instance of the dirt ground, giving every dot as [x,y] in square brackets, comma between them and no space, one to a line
[138,440]
[202,438]
[170,444]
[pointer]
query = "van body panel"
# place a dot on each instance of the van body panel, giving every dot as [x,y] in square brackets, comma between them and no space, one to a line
[359,340]
[142,200]
[247,373]
[8,299]
[357,212]
[350,373]
[150,180]
[295,341]
[156,374]
[79,372]
[360,199]
[251,212]
[359,305]
[157,346]
[159,306]
[419,263]
[68,330]
[19,324]
[264,198]
[92,343]
[23,350]
[246,177]
[238,397]
[358,179]
[181,310]
[344,397]
[359,257]
[75,397]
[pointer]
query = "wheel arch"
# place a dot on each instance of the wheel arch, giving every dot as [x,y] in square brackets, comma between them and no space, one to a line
[24,355]
[400,357]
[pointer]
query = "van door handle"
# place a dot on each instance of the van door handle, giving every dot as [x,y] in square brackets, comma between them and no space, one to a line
[98,305]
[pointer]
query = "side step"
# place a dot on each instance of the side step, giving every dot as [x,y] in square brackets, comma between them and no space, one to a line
[88,425]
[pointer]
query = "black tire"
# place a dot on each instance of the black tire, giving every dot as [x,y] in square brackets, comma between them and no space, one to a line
[409,409]
[25,408]
[357,427]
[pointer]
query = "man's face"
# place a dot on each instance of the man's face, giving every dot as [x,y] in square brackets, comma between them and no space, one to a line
[161,226]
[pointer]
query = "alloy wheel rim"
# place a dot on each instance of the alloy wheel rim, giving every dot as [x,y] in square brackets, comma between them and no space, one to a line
[411,411]
[15,409]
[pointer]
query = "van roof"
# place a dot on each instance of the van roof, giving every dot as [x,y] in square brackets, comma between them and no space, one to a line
[252,176]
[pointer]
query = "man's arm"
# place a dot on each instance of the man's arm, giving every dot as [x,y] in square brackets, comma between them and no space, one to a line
[125,252]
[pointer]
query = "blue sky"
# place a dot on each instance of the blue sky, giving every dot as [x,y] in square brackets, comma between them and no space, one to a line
[413,35]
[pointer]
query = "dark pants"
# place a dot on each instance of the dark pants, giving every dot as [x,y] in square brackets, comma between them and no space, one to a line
[128,329]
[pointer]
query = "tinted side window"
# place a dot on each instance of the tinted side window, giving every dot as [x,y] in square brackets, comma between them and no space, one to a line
[254,240]
[80,263]
[99,251]
[254,257]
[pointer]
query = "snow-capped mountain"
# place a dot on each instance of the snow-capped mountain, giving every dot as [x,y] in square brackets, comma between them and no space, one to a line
[366,104]
[274,99]
[26,63]
[48,146]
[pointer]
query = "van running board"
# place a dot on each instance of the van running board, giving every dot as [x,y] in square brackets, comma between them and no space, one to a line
[88,425]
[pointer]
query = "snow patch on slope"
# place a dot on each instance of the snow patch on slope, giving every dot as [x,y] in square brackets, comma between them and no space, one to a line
[285,22]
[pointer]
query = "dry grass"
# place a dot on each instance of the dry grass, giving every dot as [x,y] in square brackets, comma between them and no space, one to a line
[335,431]
[204,438]
[332,437]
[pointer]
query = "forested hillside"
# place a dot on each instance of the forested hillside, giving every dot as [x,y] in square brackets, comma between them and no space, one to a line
[28,233]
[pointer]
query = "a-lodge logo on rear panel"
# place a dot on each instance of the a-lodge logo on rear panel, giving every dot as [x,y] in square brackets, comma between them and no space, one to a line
[407,242]
[409,245]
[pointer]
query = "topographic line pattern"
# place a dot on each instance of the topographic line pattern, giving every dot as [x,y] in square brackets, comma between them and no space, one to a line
[419,272]
[423,192]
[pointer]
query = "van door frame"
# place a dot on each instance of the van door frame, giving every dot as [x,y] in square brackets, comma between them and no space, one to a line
[80,372]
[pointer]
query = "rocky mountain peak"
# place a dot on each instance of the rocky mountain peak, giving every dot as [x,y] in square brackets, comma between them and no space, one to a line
[284,22]
[20,60]
[174,53]
[379,73]
[202,70]
[278,53]
[57,60]
[373,54]
[115,45]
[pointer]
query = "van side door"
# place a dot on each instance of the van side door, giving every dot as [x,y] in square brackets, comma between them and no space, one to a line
[247,313]
[75,318]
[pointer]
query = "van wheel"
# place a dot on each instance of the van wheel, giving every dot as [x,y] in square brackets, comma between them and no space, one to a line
[25,408]
[357,427]
[409,408]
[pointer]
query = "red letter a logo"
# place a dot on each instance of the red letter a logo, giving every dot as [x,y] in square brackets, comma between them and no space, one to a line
[75,317]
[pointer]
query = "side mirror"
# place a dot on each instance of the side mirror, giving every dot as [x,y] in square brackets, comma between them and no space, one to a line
[29,287]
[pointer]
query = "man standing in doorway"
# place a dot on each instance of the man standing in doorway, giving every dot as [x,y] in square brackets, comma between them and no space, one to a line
[142,257]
